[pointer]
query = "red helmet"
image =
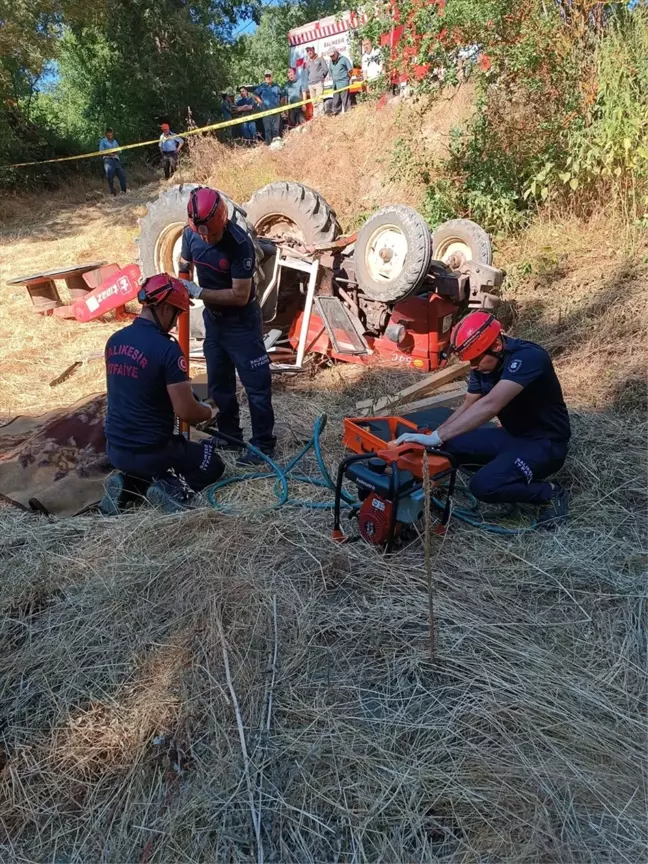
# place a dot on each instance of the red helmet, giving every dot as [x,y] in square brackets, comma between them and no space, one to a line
[474,335]
[163,288]
[207,212]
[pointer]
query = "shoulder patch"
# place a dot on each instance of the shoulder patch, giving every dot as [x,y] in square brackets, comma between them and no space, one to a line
[182,363]
[247,263]
[514,365]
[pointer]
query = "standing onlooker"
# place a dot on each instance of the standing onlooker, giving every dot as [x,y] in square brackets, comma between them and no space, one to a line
[112,162]
[294,93]
[270,95]
[245,105]
[316,71]
[170,146]
[340,69]
[227,110]
[372,66]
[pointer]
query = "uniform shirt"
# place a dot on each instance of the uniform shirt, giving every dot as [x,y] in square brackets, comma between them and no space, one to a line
[169,143]
[270,95]
[105,144]
[340,70]
[219,263]
[539,411]
[226,109]
[141,361]
[317,70]
[293,91]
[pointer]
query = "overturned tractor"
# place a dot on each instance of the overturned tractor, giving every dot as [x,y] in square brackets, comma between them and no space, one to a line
[389,293]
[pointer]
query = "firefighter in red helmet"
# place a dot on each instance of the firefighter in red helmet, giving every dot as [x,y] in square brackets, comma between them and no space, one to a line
[514,381]
[222,253]
[148,387]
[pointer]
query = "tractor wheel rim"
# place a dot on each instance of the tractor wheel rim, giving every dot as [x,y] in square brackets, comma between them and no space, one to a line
[168,247]
[453,247]
[386,253]
[277,226]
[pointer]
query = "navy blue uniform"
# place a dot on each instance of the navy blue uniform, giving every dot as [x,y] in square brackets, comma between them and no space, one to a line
[532,443]
[233,335]
[141,361]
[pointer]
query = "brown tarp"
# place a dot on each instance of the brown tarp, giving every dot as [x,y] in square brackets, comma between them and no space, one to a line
[56,463]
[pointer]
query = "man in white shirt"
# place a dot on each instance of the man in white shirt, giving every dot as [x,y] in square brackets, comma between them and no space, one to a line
[372,66]
[112,163]
[170,146]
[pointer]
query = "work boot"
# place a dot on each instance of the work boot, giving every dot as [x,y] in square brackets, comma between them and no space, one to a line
[555,510]
[170,495]
[122,491]
[222,444]
[250,458]
[114,498]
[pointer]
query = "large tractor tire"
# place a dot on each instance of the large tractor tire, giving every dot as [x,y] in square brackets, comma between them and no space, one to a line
[160,238]
[288,212]
[392,253]
[460,240]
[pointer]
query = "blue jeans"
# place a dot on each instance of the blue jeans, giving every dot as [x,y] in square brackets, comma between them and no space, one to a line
[249,130]
[112,167]
[272,127]
[514,469]
[197,461]
[234,343]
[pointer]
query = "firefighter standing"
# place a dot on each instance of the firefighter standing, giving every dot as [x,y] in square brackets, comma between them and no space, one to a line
[223,255]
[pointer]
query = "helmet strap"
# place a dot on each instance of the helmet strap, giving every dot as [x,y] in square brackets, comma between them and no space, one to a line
[174,319]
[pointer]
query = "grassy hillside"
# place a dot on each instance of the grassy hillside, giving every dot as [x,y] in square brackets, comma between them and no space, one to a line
[124,643]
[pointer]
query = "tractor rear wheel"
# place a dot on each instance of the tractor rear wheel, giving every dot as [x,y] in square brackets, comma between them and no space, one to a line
[292,213]
[392,253]
[460,240]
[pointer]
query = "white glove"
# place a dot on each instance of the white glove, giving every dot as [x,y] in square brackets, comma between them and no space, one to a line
[212,408]
[432,440]
[213,411]
[192,287]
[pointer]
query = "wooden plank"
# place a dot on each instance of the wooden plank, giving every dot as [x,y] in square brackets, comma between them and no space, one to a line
[430,383]
[448,393]
[364,403]
[431,401]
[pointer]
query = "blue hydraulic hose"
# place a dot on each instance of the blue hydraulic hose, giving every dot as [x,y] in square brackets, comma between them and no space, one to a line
[282,475]
[282,491]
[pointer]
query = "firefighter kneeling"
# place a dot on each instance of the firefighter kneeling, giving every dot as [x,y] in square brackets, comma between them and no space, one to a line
[148,387]
[515,381]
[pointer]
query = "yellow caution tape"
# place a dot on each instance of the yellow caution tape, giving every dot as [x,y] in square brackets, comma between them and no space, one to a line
[244,118]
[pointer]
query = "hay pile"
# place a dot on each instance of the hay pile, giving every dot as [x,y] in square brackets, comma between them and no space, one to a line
[525,743]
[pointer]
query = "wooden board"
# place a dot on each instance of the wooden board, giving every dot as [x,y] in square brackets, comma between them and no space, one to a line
[421,388]
[438,400]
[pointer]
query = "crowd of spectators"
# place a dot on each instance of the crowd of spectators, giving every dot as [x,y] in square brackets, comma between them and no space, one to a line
[308,81]
[314,77]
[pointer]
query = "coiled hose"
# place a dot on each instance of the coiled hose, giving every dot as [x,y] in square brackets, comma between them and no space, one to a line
[283,476]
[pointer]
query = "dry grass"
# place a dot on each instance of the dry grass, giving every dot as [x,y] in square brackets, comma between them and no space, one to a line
[355,166]
[524,745]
